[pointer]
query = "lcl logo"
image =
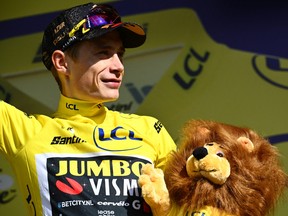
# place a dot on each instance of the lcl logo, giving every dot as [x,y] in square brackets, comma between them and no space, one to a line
[71,106]
[272,70]
[117,134]
[193,65]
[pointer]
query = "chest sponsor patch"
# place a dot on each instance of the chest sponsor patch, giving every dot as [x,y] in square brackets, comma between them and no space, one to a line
[94,185]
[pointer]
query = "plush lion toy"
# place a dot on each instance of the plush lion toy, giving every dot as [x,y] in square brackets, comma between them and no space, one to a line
[219,169]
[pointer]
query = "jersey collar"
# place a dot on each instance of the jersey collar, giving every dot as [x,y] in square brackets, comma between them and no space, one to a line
[71,107]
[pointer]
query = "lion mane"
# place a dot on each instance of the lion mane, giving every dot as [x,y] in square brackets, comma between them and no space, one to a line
[256,181]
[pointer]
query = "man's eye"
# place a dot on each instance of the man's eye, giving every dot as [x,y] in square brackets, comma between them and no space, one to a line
[104,52]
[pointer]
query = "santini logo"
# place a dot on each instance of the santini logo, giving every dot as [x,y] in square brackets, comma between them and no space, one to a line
[66,140]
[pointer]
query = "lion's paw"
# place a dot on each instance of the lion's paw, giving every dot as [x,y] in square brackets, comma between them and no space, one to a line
[154,189]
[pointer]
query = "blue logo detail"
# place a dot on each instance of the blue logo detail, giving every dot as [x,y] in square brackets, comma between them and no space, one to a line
[272,70]
[111,137]
[277,139]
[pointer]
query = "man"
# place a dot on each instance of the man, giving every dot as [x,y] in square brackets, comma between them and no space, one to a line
[85,159]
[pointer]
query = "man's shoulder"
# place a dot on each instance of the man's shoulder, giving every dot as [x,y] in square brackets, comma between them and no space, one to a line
[14,112]
[8,108]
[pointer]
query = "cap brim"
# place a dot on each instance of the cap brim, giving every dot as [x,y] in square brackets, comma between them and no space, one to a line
[132,34]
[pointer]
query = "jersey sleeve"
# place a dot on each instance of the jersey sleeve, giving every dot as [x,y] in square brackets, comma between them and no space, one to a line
[15,128]
[165,145]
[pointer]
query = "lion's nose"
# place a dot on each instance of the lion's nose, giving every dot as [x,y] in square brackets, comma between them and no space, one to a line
[200,153]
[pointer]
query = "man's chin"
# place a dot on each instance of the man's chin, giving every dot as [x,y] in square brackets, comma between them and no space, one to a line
[109,99]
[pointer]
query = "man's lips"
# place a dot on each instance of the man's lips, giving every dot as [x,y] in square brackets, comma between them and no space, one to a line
[114,83]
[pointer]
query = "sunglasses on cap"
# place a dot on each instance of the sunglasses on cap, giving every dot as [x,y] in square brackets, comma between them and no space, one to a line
[99,16]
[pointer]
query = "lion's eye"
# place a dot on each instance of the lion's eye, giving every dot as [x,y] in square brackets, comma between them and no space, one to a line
[209,144]
[220,154]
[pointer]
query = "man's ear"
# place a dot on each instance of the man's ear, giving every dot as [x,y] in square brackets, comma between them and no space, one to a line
[59,60]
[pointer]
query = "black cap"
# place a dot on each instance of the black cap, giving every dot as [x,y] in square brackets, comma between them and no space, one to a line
[56,35]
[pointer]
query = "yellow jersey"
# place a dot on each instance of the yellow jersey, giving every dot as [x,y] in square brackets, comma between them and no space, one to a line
[84,159]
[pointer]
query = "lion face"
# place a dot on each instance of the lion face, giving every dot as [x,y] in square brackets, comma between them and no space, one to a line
[209,162]
[241,174]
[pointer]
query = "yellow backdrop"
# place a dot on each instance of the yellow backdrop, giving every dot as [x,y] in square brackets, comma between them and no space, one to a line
[179,74]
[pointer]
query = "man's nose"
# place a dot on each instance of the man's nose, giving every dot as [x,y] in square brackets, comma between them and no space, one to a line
[117,64]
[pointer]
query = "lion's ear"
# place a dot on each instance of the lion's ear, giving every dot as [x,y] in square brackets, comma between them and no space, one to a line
[203,131]
[246,143]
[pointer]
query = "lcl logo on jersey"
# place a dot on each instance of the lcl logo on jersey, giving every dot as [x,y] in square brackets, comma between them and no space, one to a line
[105,139]
[71,106]
[272,70]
